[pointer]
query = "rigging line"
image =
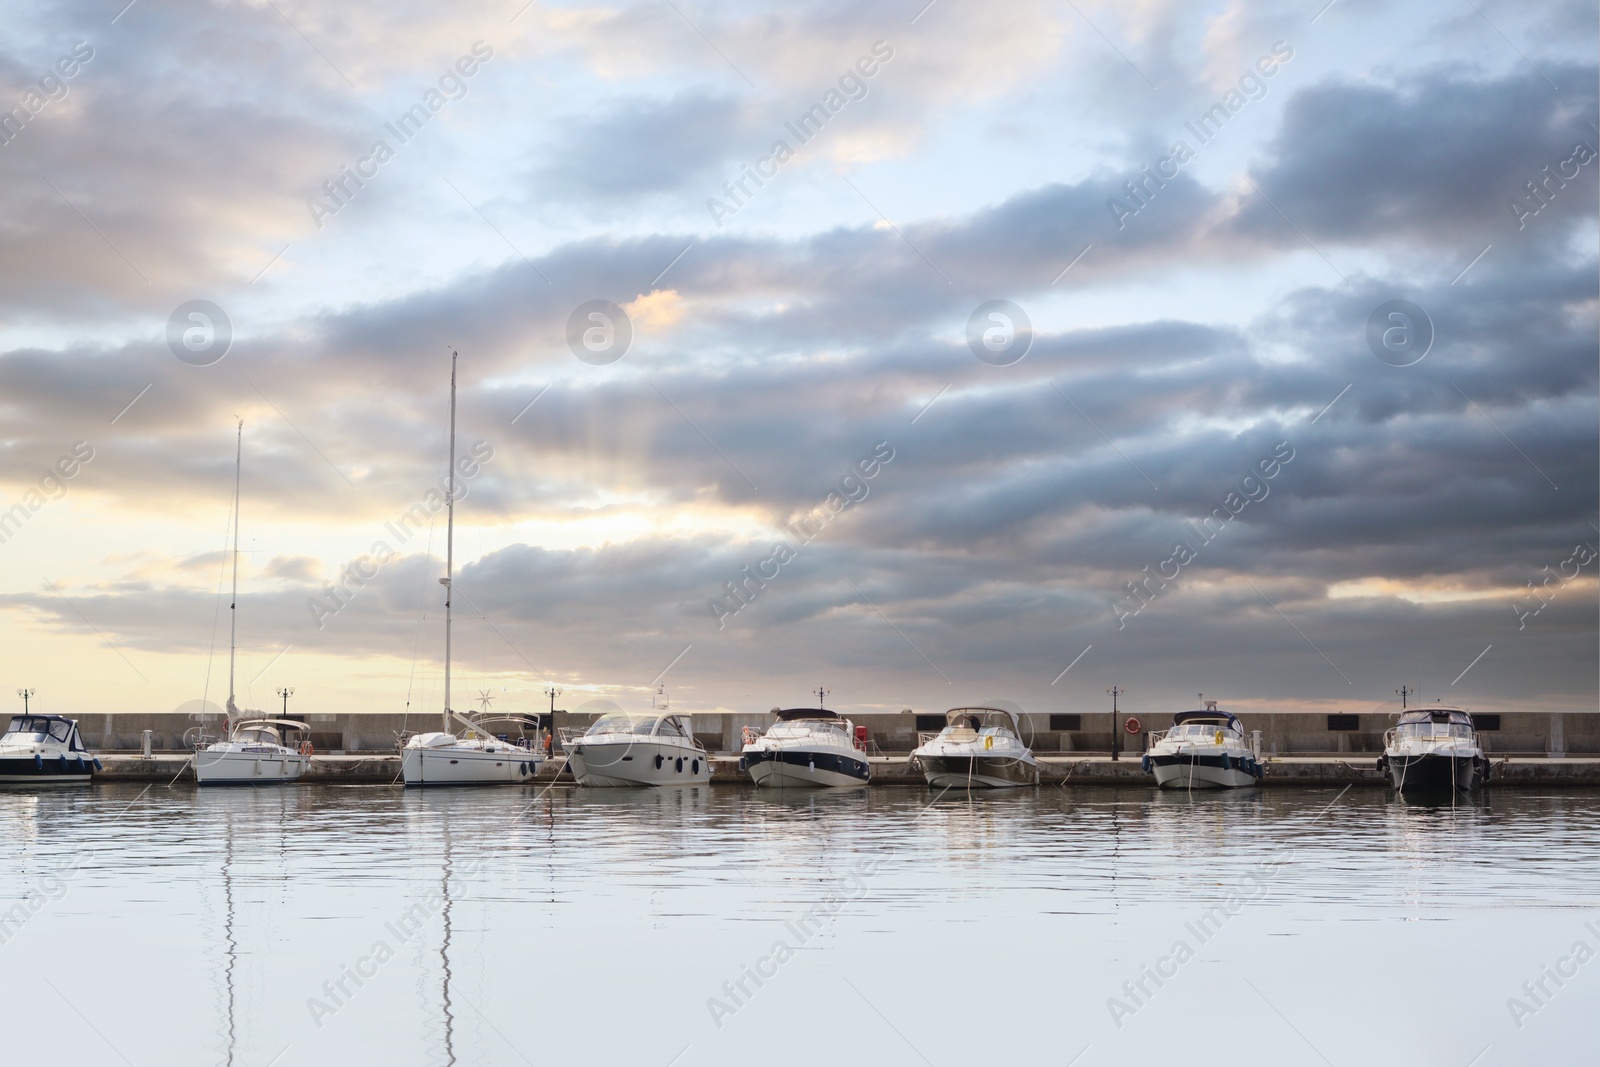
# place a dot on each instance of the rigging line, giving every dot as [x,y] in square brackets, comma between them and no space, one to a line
[222,568]
[416,640]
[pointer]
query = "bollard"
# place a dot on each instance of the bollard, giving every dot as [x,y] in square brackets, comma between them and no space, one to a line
[148,735]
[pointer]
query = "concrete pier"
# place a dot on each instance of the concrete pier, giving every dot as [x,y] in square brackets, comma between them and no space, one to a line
[1285,772]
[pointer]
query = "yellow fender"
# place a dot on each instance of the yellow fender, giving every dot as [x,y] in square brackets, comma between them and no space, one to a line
[1219,737]
[988,742]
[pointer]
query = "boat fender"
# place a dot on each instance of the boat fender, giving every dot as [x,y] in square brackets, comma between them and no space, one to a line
[659,761]
[97,764]
[988,742]
[679,767]
[38,762]
[1144,764]
[694,768]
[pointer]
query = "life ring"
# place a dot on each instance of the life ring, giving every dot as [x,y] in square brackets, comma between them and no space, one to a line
[748,735]
[1132,725]
[988,742]
[306,748]
[1219,737]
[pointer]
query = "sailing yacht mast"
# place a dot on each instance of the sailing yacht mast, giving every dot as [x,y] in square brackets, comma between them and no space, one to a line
[233,605]
[449,541]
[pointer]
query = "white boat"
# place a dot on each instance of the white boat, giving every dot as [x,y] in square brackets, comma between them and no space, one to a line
[978,748]
[256,752]
[637,749]
[807,747]
[1203,750]
[1434,749]
[472,756]
[44,749]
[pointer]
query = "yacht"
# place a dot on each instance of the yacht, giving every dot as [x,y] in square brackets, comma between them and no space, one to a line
[460,752]
[257,751]
[1203,750]
[637,749]
[978,748]
[807,747]
[44,749]
[1434,749]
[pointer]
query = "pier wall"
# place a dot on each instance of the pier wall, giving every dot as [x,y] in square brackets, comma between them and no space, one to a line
[1282,733]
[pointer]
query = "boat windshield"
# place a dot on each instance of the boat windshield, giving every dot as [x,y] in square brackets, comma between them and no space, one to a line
[1435,729]
[1199,730]
[623,723]
[40,728]
[260,735]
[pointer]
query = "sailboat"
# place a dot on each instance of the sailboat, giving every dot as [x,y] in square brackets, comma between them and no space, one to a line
[256,750]
[473,757]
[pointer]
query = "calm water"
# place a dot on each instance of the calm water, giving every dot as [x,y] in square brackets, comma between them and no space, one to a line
[508,926]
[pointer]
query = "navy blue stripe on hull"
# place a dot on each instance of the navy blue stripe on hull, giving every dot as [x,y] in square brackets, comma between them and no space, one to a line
[824,761]
[1247,764]
[1434,774]
[49,767]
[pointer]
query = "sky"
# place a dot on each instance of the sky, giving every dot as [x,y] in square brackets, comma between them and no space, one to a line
[929,355]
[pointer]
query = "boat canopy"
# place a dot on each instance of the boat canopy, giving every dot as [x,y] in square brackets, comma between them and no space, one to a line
[41,726]
[640,724]
[1216,715]
[980,717]
[291,724]
[1438,713]
[791,714]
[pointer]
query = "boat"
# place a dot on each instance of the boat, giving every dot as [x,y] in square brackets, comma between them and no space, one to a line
[1434,749]
[654,748]
[44,749]
[979,747]
[255,751]
[1203,749]
[807,747]
[471,756]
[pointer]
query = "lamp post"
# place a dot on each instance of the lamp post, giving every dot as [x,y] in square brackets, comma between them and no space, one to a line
[1116,727]
[286,692]
[24,694]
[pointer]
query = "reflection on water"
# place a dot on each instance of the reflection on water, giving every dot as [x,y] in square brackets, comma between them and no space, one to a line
[362,924]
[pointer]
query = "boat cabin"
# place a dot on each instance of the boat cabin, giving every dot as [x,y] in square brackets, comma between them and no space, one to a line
[44,730]
[265,731]
[969,724]
[1434,722]
[1204,725]
[640,725]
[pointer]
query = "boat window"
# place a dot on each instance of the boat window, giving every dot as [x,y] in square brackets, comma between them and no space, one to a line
[59,729]
[25,725]
[670,728]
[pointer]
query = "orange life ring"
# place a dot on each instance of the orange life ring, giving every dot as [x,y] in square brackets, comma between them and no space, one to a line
[1132,725]
[306,748]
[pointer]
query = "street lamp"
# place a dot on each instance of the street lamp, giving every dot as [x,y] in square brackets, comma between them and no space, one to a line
[24,694]
[1116,727]
[286,692]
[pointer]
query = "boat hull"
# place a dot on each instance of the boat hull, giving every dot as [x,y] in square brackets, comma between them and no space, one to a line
[466,766]
[1186,771]
[632,764]
[805,768]
[978,772]
[248,768]
[46,770]
[1434,773]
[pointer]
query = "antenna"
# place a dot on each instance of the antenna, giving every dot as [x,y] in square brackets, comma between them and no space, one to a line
[658,700]
[233,605]
[484,700]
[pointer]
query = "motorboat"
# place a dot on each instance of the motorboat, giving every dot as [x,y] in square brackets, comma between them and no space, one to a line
[256,752]
[1434,749]
[807,747]
[40,749]
[461,752]
[649,748]
[979,747]
[1203,749]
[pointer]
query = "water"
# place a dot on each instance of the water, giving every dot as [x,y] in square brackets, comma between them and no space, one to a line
[511,926]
